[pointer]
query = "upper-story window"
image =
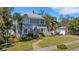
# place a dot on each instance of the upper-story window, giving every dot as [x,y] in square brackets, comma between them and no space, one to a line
[42,21]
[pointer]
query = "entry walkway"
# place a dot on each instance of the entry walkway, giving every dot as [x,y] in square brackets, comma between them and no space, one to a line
[35,45]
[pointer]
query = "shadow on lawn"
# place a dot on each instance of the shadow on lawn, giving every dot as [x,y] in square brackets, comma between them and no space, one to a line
[6,45]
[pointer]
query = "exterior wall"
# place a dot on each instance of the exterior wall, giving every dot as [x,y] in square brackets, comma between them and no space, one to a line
[62,32]
[42,29]
[31,24]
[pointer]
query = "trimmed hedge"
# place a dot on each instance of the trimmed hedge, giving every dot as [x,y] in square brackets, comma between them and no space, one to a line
[61,46]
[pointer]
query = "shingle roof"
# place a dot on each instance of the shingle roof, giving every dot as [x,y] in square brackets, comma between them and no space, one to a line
[34,16]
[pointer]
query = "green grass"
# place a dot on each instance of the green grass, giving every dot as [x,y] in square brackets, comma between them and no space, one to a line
[21,46]
[72,46]
[54,40]
[69,47]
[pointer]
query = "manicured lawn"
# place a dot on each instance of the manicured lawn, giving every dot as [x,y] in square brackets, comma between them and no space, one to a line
[21,46]
[69,47]
[72,46]
[54,40]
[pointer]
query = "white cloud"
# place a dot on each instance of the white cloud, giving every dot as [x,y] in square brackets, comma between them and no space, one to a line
[67,10]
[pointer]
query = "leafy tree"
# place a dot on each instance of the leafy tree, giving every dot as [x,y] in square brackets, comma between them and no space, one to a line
[74,24]
[64,19]
[5,23]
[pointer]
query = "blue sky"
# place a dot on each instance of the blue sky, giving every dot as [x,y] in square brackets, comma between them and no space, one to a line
[54,11]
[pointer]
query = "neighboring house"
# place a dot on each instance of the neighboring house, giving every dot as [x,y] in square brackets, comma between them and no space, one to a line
[34,23]
[62,30]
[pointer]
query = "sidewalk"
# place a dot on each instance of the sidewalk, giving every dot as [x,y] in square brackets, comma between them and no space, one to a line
[75,49]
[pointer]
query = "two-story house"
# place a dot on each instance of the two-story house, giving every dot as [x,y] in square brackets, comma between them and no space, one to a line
[34,23]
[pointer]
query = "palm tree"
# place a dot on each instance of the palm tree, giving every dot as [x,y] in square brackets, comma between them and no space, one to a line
[50,21]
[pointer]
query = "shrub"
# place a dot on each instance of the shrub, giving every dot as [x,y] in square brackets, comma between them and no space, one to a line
[29,38]
[61,46]
[30,35]
[35,36]
[2,40]
[12,39]
[42,34]
[23,37]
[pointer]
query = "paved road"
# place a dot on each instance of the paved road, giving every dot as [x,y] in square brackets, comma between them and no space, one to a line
[72,42]
[46,48]
[75,49]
